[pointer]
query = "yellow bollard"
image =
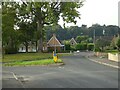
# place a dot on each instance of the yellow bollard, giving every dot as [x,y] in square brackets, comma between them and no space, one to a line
[55,57]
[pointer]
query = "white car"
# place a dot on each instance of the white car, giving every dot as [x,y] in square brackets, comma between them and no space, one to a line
[77,51]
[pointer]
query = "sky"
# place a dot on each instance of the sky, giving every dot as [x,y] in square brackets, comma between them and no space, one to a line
[97,11]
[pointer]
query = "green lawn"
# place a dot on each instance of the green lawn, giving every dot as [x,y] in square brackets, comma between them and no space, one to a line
[112,51]
[33,63]
[24,59]
[26,56]
[30,56]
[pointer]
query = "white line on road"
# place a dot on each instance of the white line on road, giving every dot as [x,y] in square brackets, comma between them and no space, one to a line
[14,75]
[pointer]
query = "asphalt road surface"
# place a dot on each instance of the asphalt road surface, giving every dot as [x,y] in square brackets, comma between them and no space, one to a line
[78,72]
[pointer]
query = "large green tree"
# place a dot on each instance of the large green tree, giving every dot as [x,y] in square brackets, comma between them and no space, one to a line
[48,13]
[9,34]
[101,43]
[80,39]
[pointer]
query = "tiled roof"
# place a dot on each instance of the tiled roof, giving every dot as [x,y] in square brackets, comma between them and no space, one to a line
[54,42]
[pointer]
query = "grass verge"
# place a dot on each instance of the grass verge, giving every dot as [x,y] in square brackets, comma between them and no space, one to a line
[112,51]
[30,56]
[33,63]
[26,57]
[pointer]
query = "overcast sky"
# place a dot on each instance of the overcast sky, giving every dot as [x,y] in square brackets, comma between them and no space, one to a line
[98,11]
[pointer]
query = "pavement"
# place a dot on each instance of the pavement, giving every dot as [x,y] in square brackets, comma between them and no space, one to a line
[103,60]
[78,72]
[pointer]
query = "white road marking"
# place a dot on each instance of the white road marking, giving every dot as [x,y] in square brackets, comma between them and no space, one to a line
[14,75]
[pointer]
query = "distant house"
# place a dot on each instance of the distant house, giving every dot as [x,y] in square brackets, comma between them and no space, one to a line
[51,45]
[54,43]
[31,48]
[73,42]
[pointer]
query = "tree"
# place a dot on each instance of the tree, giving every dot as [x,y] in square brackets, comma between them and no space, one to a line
[101,43]
[81,46]
[112,30]
[80,39]
[67,45]
[90,46]
[9,34]
[118,44]
[26,33]
[48,13]
[113,43]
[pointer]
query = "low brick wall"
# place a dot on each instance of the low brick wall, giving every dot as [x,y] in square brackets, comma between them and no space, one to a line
[114,57]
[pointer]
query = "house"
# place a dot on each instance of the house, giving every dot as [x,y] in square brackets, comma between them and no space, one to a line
[73,42]
[31,48]
[51,45]
[54,44]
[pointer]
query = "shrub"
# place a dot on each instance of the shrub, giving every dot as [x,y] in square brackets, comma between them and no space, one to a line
[81,46]
[73,48]
[9,50]
[67,47]
[90,46]
[97,49]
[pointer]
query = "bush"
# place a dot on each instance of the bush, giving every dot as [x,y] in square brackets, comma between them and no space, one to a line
[9,50]
[97,49]
[90,46]
[73,48]
[81,46]
[67,47]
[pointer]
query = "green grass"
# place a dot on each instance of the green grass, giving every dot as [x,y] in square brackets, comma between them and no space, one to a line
[30,56]
[26,57]
[30,59]
[112,51]
[32,63]
[64,54]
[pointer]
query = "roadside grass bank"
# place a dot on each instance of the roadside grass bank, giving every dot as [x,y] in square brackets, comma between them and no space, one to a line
[33,63]
[112,51]
[26,57]
[30,56]
[30,59]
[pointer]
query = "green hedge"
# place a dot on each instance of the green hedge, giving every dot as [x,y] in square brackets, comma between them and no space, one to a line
[67,47]
[81,46]
[90,46]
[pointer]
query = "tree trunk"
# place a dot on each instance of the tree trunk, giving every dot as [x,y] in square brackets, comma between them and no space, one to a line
[40,46]
[26,47]
[36,46]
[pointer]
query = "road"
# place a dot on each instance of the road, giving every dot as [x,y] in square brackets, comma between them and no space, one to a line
[78,72]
